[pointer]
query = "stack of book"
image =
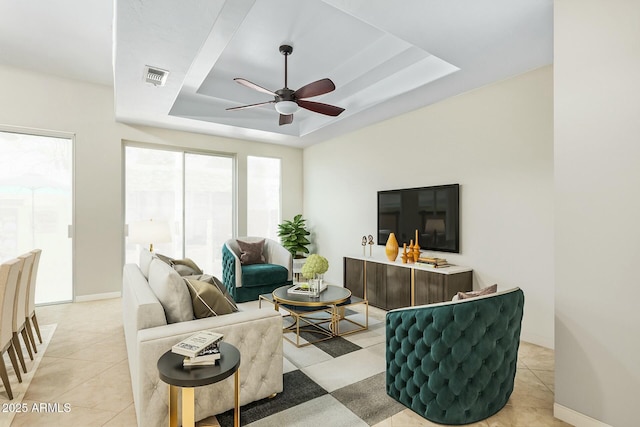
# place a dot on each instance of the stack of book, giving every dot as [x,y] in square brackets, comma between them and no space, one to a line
[200,349]
[304,288]
[435,262]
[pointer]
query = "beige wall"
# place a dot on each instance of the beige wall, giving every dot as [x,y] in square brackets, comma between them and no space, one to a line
[597,210]
[496,142]
[39,101]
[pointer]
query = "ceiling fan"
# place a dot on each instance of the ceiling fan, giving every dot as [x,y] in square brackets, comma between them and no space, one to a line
[288,101]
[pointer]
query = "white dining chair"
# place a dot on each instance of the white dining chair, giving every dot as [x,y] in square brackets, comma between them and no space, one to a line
[19,312]
[31,320]
[9,273]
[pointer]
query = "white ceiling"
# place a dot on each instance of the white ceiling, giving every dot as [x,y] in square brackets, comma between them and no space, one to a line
[385,58]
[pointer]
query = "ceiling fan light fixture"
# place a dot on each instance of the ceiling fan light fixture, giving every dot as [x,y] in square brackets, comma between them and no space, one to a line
[286,107]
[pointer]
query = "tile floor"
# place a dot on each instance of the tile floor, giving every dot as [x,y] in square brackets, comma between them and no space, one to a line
[85,365]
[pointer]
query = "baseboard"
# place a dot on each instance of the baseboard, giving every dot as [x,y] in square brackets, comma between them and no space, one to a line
[95,297]
[538,340]
[575,418]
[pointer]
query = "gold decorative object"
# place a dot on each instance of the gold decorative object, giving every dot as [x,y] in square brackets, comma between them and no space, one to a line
[364,245]
[416,249]
[410,254]
[404,253]
[391,248]
[370,244]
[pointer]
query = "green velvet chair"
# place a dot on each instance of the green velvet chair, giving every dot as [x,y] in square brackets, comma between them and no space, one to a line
[455,362]
[247,282]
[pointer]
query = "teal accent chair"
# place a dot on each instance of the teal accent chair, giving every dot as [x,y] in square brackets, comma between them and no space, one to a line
[455,362]
[247,282]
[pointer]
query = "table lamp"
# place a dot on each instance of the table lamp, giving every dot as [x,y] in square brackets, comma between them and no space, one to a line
[149,232]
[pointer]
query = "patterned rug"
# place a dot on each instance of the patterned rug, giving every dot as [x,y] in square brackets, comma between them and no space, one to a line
[337,382]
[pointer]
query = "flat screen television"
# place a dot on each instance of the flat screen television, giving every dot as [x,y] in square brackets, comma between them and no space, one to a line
[433,211]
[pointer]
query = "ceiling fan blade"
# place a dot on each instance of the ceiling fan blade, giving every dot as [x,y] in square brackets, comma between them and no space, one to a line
[242,107]
[286,119]
[316,88]
[253,86]
[318,107]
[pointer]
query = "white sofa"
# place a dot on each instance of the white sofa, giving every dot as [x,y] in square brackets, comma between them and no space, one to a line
[256,333]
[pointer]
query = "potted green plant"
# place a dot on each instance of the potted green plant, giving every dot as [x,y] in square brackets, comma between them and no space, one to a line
[293,235]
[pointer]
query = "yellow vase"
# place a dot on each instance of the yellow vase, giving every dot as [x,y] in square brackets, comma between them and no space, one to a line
[391,249]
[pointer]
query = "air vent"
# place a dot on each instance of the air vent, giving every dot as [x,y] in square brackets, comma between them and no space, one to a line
[155,76]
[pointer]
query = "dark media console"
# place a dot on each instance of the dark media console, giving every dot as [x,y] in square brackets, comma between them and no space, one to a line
[391,284]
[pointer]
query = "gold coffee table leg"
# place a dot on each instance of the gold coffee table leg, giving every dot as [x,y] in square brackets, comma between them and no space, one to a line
[236,409]
[173,406]
[188,407]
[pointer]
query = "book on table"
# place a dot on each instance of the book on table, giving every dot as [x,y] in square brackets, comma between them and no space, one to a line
[206,357]
[197,342]
[304,288]
[435,262]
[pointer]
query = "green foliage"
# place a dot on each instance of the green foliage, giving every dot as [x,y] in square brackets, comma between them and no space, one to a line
[293,235]
[315,264]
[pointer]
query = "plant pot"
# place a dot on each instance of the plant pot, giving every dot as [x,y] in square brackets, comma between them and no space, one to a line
[298,263]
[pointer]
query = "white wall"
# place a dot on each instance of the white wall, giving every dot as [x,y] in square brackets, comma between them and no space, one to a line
[496,142]
[597,209]
[35,100]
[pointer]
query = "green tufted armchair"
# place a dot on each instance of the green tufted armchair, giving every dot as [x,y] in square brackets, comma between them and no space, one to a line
[455,362]
[247,282]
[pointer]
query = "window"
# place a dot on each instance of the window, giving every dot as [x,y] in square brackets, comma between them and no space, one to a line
[263,196]
[193,192]
[36,208]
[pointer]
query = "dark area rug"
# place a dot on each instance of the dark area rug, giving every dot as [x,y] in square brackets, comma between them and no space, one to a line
[335,347]
[297,388]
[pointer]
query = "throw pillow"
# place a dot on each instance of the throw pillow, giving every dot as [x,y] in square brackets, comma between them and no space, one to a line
[171,291]
[214,281]
[251,252]
[484,291]
[184,267]
[207,299]
[145,262]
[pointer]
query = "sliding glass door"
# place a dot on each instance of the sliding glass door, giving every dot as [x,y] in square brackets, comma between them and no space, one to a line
[192,192]
[263,196]
[36,208]
[208,209]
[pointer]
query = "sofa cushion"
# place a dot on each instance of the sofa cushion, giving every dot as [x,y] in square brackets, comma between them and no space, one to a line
[207,299]
[171,291]
[251,252]
[264,274]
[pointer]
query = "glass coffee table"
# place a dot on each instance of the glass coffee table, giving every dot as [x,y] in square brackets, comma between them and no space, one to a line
[320,315]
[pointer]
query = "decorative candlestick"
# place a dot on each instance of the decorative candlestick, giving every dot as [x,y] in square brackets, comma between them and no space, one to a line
[364,245]
[410,254]
[404,253]
[370,244]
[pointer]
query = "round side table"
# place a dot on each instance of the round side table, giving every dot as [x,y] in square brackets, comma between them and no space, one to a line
[187,378]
